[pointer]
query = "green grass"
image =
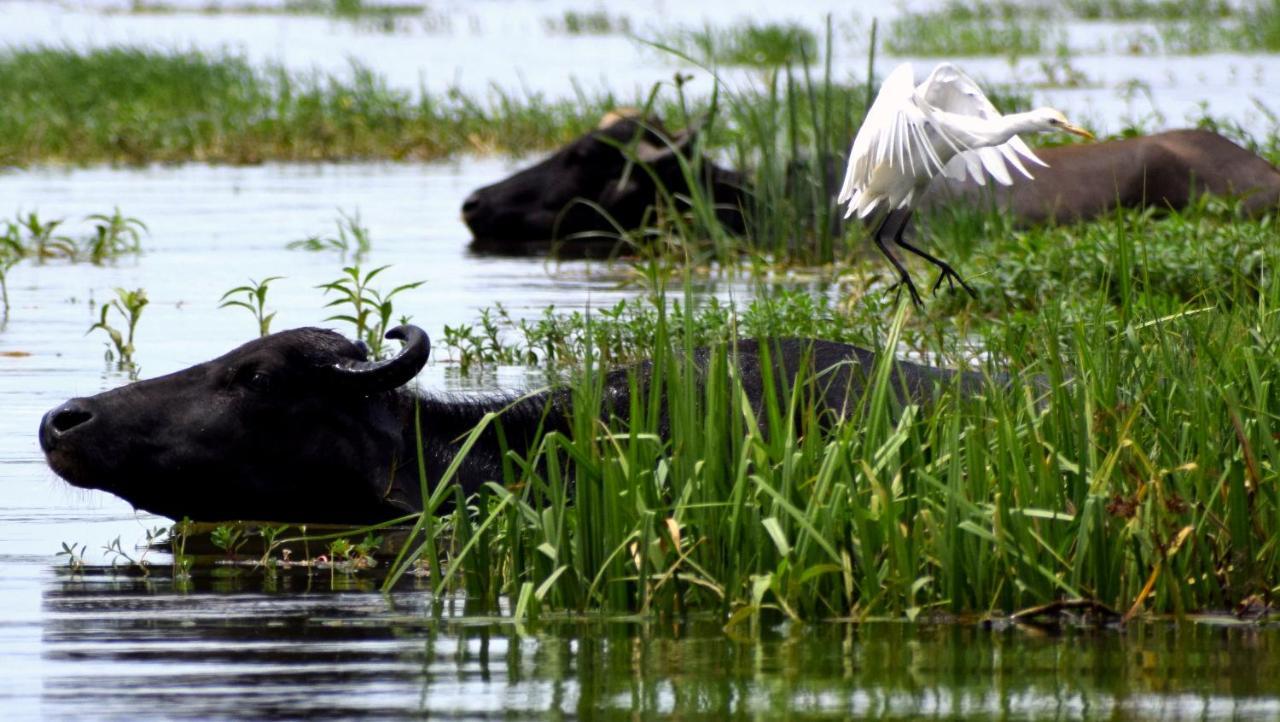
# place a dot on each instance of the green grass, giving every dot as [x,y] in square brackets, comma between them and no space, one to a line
[345,9]
[597,22]
[753,44]
[1148,459]
[1147,9]
[135,105]
[968,29]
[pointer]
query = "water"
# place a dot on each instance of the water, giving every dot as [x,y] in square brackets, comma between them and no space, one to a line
[206,652]
[111,645]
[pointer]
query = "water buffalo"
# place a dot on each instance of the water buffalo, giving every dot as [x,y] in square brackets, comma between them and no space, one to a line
[300,426]
[1164,170]
[545,202]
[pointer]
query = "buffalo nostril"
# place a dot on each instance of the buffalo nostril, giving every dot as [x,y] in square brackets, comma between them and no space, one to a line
[470,205]
[67,418]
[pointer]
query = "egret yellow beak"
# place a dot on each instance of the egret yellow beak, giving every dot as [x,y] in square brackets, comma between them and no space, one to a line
[1077,130]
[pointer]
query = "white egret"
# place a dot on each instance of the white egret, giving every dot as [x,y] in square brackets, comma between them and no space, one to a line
[914,132]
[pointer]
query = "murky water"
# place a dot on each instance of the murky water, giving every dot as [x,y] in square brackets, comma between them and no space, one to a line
[101,645]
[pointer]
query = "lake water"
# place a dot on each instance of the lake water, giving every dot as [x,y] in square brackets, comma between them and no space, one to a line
[109,645]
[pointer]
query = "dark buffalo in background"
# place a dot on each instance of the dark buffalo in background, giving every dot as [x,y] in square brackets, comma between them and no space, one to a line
[1083,181]
[1087,180]
[300,426]
[545,202]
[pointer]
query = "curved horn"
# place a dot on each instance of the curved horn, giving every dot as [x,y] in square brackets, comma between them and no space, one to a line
[371,376]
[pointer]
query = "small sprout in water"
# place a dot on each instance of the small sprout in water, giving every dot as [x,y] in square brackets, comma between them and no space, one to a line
[340,549]
[269,534]
[10,253]
[369,310]
[43,241]
[254,301]
[117,552]
[114,235]
[128,304]
[74,554]
[352,239]
[229,538]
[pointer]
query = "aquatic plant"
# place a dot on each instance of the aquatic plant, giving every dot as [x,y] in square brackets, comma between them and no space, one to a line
[127,304]
[254,301]
[352,240]
[114,235]
[766,45]
[1126,461]
[229,538]
[596,22]
[963,29]
[43,241]
[11,252]
[370,310]
[74,554]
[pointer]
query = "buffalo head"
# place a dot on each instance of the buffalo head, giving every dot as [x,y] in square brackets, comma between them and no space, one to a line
[564,194]
[296,426]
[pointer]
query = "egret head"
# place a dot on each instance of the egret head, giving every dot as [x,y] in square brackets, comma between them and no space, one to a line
[1053,119]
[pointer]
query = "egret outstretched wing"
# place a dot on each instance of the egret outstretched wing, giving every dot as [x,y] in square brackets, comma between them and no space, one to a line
[893,135]
[949,90]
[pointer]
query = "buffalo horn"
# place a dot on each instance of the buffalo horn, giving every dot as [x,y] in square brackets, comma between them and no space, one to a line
[372,376]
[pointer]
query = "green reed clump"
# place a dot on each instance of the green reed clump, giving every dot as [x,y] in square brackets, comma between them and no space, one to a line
[596,22]
[135,105]
[749,43]
[1147,9]
[961,29]
[1129,461]
[352,240]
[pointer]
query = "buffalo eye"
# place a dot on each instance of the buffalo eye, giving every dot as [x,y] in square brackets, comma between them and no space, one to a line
[253,379]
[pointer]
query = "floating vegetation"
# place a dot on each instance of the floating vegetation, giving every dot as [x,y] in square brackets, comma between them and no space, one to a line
[352,239]
[763,45]
[966,29]
[1147,9]
[597,22]
[28,236]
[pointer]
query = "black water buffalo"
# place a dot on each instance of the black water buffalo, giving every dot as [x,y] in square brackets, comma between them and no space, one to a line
[300,426]
[563,196]
[1084,181]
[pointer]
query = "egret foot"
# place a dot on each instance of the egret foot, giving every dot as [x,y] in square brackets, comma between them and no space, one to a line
[911,288]
[948,274]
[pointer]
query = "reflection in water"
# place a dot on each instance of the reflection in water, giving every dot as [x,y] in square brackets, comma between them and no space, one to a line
[126,647]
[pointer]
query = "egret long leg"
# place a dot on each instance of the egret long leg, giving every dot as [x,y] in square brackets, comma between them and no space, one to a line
[946,272]
[903,277]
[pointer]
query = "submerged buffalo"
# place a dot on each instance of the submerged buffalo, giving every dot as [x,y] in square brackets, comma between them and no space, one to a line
[600,182]
[1164,170]
[300,426]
